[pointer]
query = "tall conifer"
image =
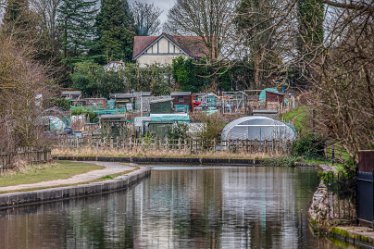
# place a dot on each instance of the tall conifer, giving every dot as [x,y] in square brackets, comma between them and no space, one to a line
[77,25]
[115,29]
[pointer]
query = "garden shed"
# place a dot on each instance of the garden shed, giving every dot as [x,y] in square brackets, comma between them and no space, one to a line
[161,106]
[257,128]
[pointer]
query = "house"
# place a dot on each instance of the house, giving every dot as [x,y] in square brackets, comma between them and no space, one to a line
[149,50]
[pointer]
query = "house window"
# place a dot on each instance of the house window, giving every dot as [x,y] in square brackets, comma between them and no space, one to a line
[181,100]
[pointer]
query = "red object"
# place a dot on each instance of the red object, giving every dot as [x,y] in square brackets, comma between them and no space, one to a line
[196,103]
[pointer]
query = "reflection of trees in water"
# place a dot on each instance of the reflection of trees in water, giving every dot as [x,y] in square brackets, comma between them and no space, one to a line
[215,208]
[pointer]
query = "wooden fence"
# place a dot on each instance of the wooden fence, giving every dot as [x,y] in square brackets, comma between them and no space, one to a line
[186,145]
[8,160]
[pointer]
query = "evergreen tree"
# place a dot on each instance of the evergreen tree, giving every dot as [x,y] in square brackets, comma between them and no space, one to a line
[115,27]
[77,25]
[311,15]
[15,10]
[310,40]
[20,22]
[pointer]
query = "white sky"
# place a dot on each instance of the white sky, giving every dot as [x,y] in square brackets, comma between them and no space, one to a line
[164,5]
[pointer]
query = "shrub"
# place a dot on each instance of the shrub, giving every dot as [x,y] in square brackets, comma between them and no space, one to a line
[342,183]
[84,111]
[178,131]
[310,147]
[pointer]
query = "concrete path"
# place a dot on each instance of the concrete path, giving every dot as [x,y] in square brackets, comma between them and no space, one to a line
[110,169]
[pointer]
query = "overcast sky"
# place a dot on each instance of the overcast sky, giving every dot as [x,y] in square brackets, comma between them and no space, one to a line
[164,5]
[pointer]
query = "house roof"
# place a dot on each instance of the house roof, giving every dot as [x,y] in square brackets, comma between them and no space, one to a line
[193,46]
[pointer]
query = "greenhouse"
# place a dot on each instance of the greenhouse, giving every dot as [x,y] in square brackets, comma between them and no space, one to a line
[258,128]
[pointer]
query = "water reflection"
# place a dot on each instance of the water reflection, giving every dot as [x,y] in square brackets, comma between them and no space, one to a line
[178,208]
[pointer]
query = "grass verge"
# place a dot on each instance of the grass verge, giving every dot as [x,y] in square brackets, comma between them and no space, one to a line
[47,172]
[102,179]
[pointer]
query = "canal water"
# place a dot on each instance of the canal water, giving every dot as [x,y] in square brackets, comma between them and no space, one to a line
[178,207]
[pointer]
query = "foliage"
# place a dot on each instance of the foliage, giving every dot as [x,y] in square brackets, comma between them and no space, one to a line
[84,111]
[62,103]
[20,21]
[214,125]
[309,147]
[76,22]
[178,131]
[115,31]
[343,182]
[155,78]
[189,75]
[93,80]
[311,15]
[197,76]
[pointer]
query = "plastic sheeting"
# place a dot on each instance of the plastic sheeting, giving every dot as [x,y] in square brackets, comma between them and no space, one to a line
[257,128]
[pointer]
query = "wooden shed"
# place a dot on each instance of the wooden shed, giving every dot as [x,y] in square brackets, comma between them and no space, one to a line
[182,101]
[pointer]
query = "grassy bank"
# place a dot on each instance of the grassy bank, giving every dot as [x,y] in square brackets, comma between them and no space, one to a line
[91,152]
[47,172]
[299,118]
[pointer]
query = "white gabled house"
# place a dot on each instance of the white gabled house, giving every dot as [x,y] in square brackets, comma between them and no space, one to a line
[149,50]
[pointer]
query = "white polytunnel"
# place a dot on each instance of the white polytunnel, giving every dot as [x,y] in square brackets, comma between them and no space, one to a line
[257,128]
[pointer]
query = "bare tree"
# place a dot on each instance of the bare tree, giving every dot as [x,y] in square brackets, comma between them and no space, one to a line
[146,18]
[343,92]
[23,87]
[211,20]
[48,10]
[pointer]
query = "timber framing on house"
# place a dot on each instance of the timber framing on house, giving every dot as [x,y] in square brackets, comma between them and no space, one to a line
[163,49]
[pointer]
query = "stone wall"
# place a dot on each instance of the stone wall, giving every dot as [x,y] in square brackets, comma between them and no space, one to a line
[327,209]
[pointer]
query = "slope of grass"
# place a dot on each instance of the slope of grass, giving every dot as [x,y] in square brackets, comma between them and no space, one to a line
[48,172]
[299,118]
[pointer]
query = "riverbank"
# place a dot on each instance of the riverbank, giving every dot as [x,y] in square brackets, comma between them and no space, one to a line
[166,160]
[355,235]
[80,186]
[335,218]
[156,154]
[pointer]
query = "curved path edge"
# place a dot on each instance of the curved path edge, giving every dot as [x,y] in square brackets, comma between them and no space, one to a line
[12,200]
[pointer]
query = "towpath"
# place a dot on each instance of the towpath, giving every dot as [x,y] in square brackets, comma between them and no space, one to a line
[110,168]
